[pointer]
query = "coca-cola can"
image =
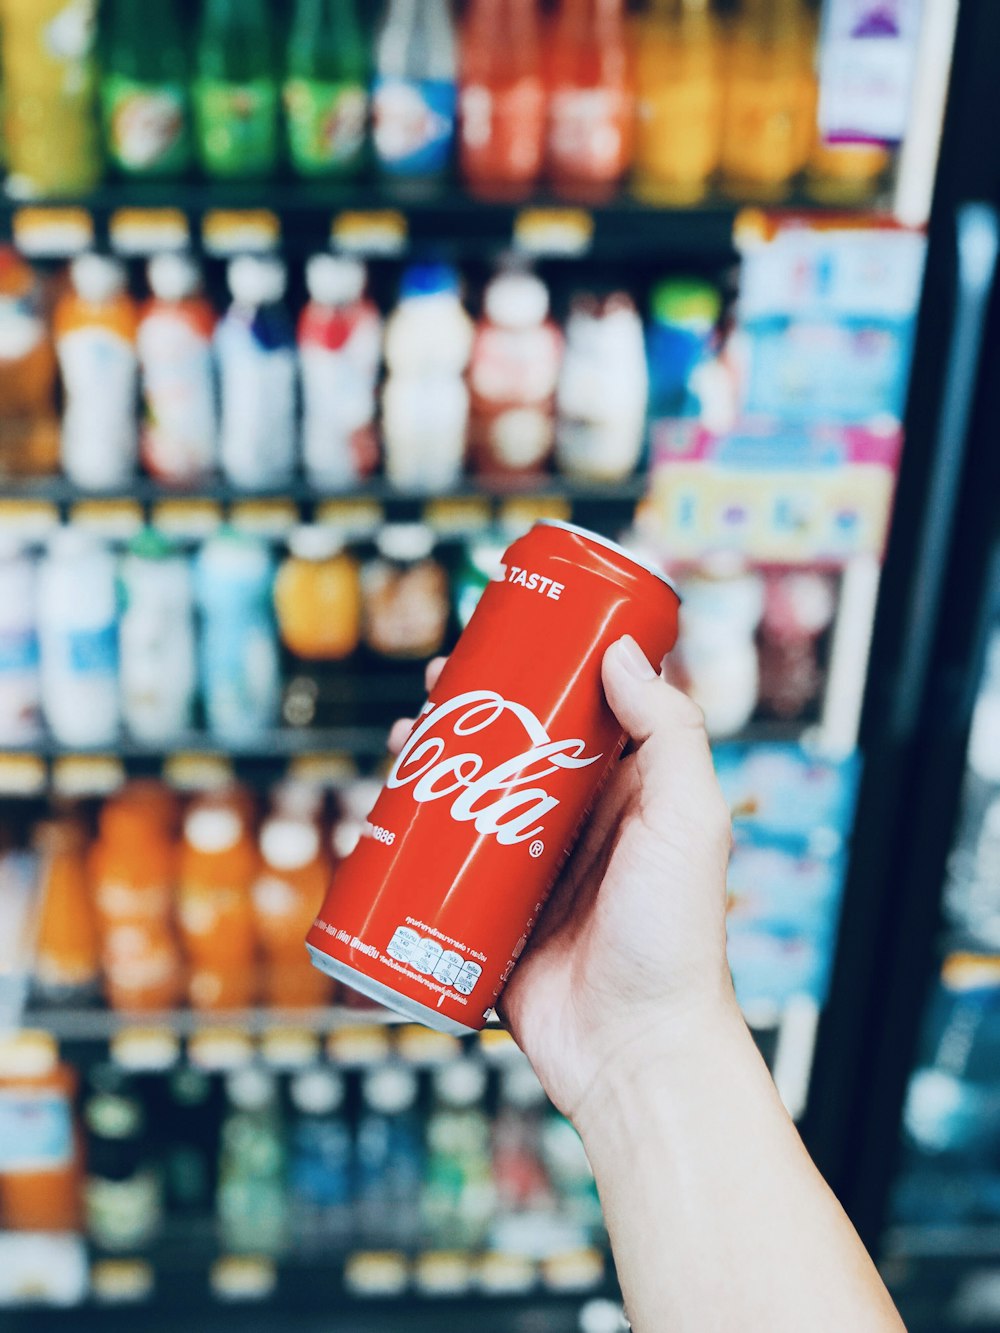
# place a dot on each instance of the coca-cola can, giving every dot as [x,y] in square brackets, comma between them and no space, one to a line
[432,909]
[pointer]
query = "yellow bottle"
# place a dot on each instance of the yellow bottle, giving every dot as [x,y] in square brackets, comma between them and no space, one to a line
[770,106]
[50,85]
[845,173]
[680,98]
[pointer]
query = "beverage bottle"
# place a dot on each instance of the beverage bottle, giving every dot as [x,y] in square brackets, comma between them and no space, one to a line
[684,313]
[321,1158]
[235,90]
[513,376]
[326,82]
[482,562]
[458,1195]
[123,1191]
[294,873]
[405,594]
[240,681]
[144,89]
[133,867]
[679,92]
[502,98]
[340,345]
[603,386]
[845,173]
[66,949]
[798,607]
[414,93]
[20,689]
[591,98]
[40,1158]
[251,1202]
[425,401]
[522,1183]
[178,380]
[29,426]
[156,640]
[255,344]
[218,865]
[570,1172]
[317,595]
[390,1156]
[78,639]
[95,327]
[191,1149]
[50,89]
[769,120]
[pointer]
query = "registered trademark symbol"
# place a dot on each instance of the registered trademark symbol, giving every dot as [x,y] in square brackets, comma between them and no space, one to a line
[537,847]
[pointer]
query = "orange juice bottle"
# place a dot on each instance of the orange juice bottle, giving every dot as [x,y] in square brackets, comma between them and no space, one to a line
[66,952]
[679,102]
[40,1168]
[29,426]
[845,173]
[218,865]
[286,896]
[770,105]
[317,595]
[133,866]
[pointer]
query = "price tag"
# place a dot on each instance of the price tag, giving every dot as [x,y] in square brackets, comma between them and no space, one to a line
[52,233]
[148,231]
[192,771]
[376,232]
[32,520]
[22,775]
[333,769]
[188,519]
[243,1277]
[356,518]
[520,512]
[359,1044]
[264,518]
[226,232]
[458,517]
[115,520]
[553,231]
[121,1281]
[87,775]
[220,1048]
[289,1048]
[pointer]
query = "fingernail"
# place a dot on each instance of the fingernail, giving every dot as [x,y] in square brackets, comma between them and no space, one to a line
[634,659]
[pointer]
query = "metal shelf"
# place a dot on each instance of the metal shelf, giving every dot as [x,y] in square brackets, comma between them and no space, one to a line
[81,1024]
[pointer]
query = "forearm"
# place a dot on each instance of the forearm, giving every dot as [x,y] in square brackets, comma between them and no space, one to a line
[719,1221]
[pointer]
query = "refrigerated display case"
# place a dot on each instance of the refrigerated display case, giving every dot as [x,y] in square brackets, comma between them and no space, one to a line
[786,450]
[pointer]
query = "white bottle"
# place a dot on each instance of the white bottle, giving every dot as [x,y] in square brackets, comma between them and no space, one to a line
[78,639]
[95,345]
[19,683]
[178,378]
[340,344]
[425,403]
[255,342]
[156,640]
[722,607]
[603,388]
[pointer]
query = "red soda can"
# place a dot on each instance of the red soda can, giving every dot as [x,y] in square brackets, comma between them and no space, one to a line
[432,909]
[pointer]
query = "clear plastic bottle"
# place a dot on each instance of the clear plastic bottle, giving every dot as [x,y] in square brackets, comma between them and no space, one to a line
[20,689]
[255,343]
[415,94]
[390,1156]
[252,1204]
[406,594]
[458,1194]
[321,1158]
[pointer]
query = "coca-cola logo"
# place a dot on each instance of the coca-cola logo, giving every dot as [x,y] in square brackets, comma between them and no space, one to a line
[506,800]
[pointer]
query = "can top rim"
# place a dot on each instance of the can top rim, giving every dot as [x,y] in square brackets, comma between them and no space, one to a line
[618,549]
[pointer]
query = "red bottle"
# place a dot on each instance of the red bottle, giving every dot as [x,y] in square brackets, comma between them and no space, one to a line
[591,98]
[433,907]
[502,134]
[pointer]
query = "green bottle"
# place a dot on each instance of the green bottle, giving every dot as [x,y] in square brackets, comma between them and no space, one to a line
[144,90]
[325,88]
[235,90]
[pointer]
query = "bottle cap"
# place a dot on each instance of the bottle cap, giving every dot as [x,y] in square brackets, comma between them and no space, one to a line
[405,542]
[390,1089]
[151,544]
[234,555]
[251,1088]
[71,542]
[359,797]
[429,279]
[315,541]
[255,280]
[687,301]
[516,300]
[97,278]
[28,1055]
[317,1091]
[288,844]
[211,829]
[172,277]
[461,1083]
[335,279]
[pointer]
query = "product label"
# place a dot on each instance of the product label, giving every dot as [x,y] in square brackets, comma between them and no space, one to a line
[867,57]
[237,125]
[18,651]
[258,408]
[588,132]
[92,652]
[145,124]
[36,1131]
[326,123]
[414,124]
[178,386]
[503,130]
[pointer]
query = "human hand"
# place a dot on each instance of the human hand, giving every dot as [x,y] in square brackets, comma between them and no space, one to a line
[629,957]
